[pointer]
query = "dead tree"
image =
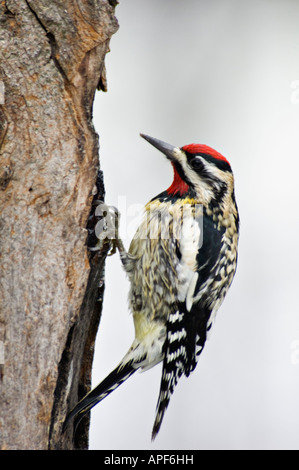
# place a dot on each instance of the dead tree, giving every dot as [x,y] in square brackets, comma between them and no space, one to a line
[52,62]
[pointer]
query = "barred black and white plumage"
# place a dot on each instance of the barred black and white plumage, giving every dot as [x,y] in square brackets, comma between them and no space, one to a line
[180,264]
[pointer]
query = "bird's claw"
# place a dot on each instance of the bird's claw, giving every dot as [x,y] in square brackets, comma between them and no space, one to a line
[106,229]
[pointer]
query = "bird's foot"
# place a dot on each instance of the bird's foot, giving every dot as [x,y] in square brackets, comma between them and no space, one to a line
[105,233]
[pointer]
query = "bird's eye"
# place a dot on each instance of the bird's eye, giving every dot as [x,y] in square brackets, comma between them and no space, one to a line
[196,163]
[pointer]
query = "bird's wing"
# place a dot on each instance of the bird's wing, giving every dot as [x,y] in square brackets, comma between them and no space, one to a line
[188,322]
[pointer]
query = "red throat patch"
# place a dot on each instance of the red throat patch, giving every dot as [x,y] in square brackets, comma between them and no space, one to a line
[178,185]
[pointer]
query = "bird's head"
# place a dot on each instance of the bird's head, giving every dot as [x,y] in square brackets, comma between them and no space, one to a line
[198,169]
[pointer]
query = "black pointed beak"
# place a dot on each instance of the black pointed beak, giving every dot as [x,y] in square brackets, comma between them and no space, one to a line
[169,150]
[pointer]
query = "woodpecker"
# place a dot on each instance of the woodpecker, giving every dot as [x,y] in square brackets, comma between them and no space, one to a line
[180,265]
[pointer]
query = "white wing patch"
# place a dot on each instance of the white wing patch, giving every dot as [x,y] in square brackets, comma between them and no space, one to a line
[190,243]
[190,238]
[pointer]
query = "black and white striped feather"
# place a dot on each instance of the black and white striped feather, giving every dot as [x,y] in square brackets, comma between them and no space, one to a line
[189,322]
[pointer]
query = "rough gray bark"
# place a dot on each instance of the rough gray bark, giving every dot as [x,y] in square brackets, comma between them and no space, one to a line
[51,62]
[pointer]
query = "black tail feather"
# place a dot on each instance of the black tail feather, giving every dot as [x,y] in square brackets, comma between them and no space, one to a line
[110,383]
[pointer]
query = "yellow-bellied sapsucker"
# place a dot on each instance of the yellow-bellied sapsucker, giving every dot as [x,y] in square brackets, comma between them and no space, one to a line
[180,264]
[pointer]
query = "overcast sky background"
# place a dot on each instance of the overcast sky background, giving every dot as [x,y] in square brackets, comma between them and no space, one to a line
[224,73]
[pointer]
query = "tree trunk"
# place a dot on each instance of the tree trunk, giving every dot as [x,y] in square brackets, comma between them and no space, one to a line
[52,61]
